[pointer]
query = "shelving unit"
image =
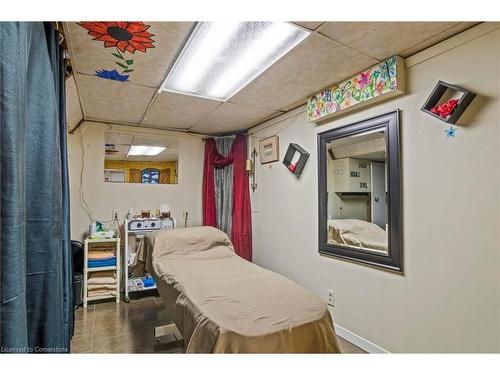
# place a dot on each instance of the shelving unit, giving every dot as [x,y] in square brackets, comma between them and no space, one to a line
[138,233]
[87,270]
[350,175]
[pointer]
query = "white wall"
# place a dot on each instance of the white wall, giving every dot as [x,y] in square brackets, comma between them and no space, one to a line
[449,297]
[103,197]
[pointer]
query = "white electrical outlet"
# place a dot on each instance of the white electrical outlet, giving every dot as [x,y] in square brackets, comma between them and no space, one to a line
[114,214]
[330,297]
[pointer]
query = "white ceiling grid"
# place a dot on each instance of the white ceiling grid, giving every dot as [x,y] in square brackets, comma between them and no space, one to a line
[334,51]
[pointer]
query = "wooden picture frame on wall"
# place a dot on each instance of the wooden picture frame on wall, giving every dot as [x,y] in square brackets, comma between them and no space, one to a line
[269,149]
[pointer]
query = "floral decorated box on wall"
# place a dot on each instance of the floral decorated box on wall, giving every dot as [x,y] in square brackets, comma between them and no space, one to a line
[380,82]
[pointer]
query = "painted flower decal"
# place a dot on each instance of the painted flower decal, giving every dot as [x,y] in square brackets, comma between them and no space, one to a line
[125,37]
[388,68]
[363,80]
[111,74]
[328,95]
[380,87]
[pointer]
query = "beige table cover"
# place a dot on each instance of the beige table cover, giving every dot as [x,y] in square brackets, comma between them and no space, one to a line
[224,304]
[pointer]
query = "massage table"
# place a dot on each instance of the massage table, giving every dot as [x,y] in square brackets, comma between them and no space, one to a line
[222,303]
[357,233]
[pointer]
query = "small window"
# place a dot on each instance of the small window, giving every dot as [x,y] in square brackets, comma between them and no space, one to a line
[150,176]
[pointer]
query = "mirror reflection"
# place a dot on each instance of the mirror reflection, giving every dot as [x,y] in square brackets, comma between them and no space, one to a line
[140,159]
[357,191]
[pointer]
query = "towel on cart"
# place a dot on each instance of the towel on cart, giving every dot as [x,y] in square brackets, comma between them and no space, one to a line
[94,263]
[101,254]
[101,287]
[100,278]
[101,292]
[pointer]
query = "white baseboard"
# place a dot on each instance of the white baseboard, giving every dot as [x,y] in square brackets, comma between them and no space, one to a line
[359,341]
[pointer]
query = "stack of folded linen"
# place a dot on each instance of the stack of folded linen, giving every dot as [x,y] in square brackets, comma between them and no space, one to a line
[101,258]
[101,283]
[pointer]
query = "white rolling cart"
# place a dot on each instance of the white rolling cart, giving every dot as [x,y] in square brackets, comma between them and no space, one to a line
[138,228]
[86,269]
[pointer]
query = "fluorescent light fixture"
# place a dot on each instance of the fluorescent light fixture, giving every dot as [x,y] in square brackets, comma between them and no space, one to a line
[145,150]
[220,58]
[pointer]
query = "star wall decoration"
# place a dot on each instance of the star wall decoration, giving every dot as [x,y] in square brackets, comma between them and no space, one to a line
[451,131]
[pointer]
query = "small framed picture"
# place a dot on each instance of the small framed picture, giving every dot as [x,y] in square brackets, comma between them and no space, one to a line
[269,149]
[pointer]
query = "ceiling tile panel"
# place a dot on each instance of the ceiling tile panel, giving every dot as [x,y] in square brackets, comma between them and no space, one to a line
[448,33]
[149,67]
[178,111]
[311,25]
[313,65]
[117,138]
[383,39]
[108,100]
[230,117]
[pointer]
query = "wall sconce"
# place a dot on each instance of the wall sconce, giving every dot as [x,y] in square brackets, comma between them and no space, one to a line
[250,168]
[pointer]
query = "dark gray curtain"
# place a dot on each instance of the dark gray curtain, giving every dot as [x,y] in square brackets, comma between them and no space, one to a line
[59,72]
[224,187]
[36,298]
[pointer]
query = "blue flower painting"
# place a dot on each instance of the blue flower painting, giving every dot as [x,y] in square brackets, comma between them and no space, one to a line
[111,74]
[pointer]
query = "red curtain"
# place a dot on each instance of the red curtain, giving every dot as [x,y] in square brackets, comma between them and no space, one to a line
[241,233]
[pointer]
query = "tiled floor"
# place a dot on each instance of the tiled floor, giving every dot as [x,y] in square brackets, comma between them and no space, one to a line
[129,328]
[122,328]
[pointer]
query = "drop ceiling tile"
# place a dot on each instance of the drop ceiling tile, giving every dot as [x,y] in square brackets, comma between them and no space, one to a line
[74,112]
[448,33]
[117,138]
[294,105]
[178,111]
[107,100]
[310,67]
[230,117]
[311,25]
[149,68]
[383,39]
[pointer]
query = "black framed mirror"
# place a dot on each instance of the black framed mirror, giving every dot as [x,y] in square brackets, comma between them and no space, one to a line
[359,192]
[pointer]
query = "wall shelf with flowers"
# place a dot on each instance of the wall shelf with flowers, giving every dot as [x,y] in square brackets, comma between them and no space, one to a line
[447,102]
[295,159]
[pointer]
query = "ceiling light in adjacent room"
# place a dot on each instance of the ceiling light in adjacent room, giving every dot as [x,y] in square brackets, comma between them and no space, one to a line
[145,150]
[220,58]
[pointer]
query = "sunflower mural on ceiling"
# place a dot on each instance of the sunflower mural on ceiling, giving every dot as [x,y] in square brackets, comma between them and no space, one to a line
[125,37]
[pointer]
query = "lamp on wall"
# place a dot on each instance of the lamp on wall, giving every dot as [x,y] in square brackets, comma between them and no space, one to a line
[250,168]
